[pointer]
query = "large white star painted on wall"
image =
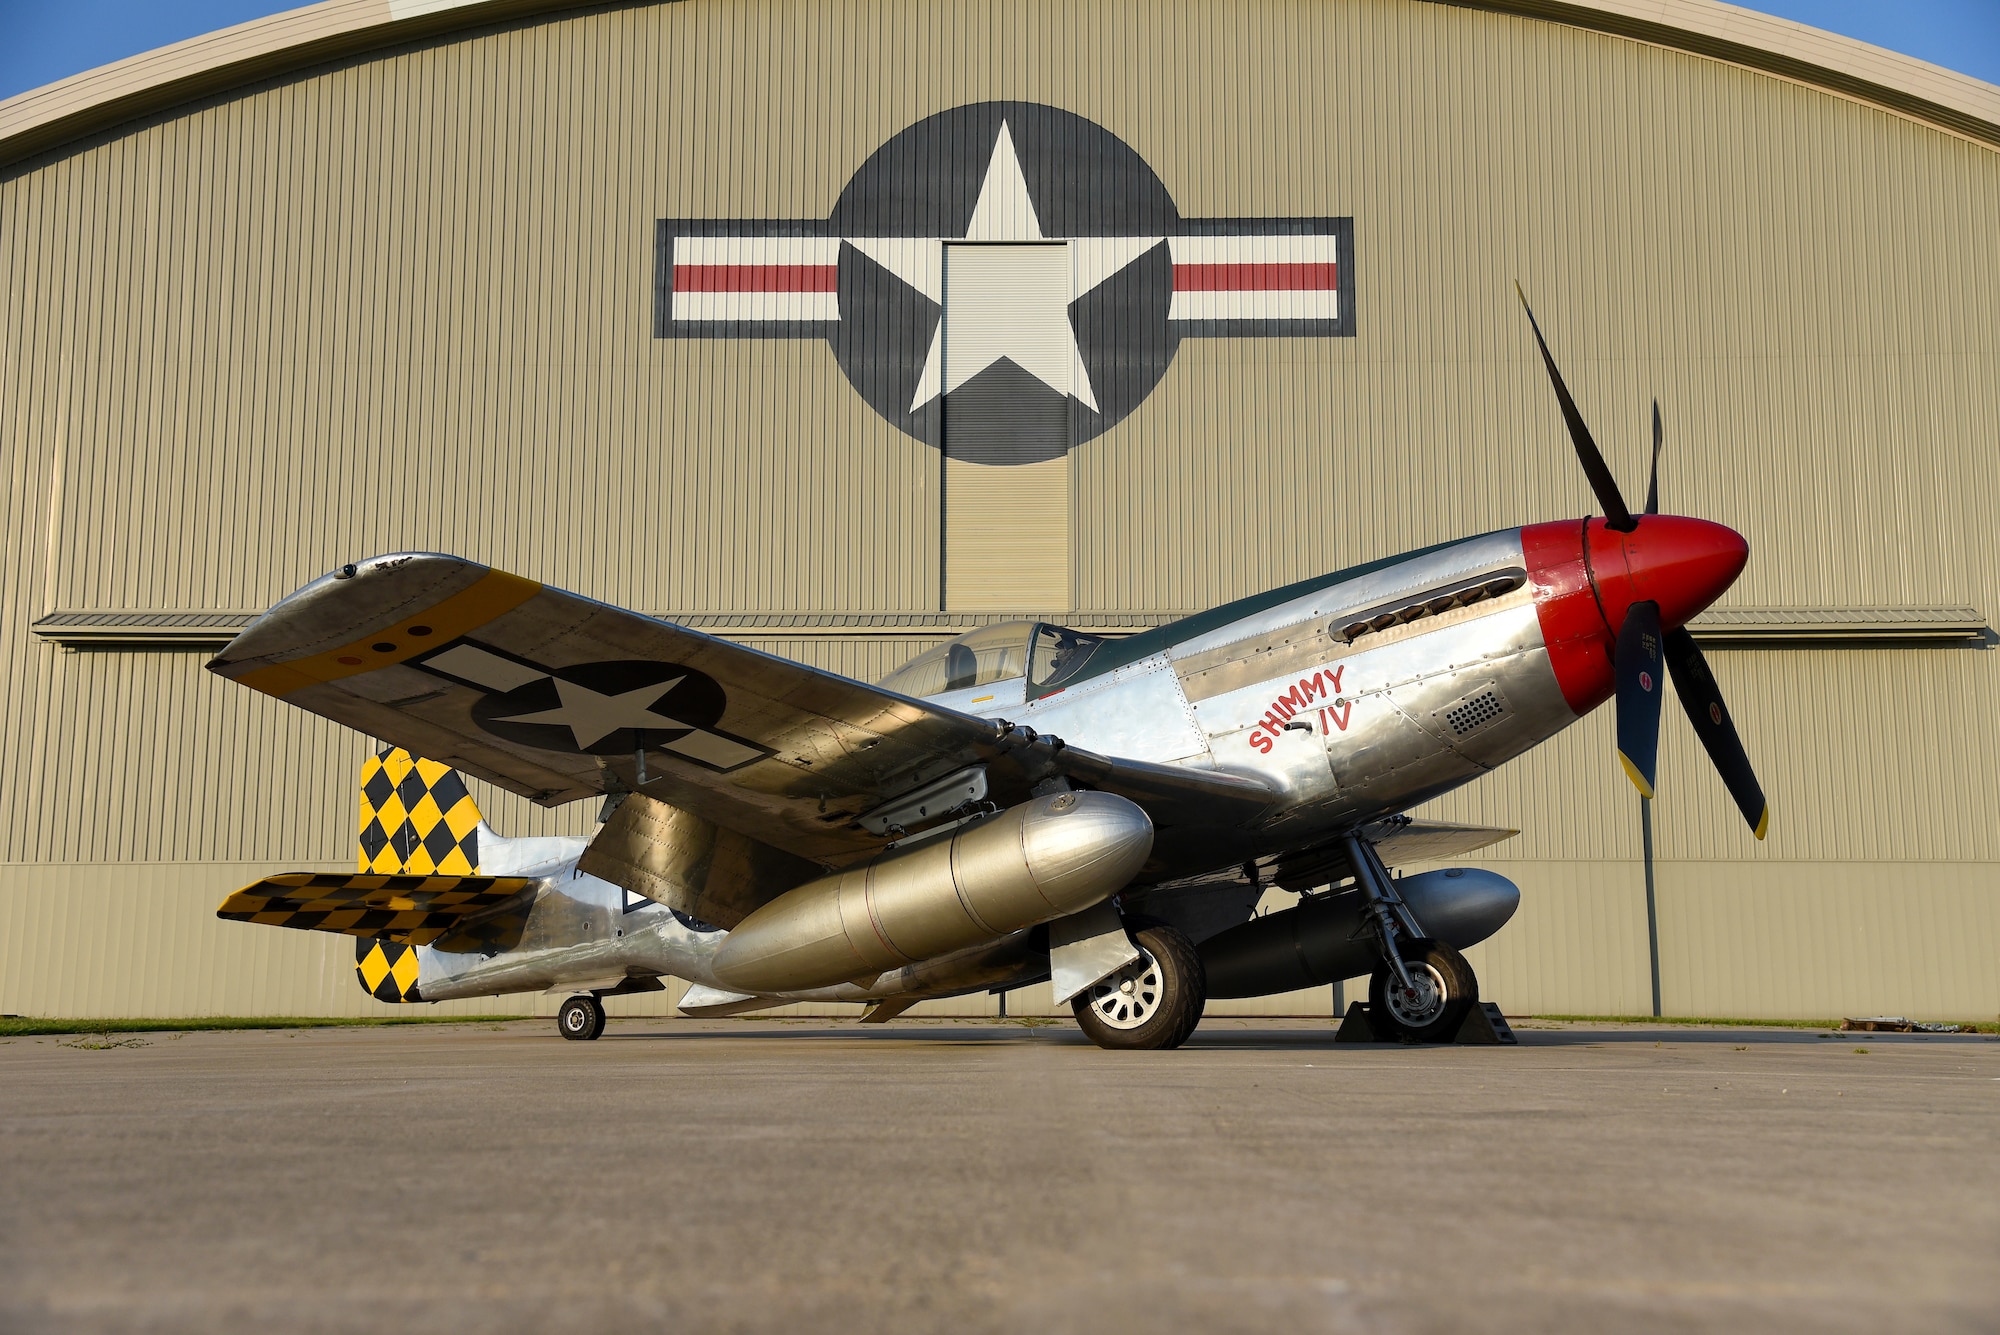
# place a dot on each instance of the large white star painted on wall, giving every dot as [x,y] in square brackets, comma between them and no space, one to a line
[1036,333]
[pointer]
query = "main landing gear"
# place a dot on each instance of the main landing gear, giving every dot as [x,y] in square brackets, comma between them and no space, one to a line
[581,1017]
[1423,988]
[1421,991]
[1153,1002]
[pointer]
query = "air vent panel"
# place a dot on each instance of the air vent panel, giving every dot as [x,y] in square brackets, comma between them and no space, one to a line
[1473,712]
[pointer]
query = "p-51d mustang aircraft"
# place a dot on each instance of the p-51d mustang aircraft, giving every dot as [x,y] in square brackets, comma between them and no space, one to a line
[1026,802]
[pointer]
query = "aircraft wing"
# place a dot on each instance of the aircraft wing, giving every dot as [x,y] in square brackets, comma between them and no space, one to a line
[411,910]
[1400,840]
[1434,840]
[558,697]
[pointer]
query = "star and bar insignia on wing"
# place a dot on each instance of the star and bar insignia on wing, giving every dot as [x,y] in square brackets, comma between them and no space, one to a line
[615,708]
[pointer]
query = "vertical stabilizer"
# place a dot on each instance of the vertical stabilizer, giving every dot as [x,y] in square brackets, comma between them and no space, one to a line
[417,818]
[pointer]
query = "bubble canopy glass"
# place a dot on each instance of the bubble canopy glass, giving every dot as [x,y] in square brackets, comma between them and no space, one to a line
[1046,654]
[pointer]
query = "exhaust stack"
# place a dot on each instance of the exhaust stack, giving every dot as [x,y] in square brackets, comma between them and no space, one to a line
[1043,859]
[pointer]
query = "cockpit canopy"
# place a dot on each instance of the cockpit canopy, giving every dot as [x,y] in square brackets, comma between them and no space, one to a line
[991,653]
[1047,655]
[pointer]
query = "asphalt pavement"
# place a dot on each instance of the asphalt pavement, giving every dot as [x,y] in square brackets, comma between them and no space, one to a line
[975,1176]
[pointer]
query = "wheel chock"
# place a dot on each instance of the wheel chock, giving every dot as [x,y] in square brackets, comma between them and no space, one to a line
[1354,1027]
[1485,1024]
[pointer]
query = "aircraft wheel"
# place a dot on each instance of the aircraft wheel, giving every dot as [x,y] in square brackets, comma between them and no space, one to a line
[1153,1002]
[1446,988]
[581,1018]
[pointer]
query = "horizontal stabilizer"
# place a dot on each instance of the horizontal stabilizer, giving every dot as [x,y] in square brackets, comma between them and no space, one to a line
[408,910]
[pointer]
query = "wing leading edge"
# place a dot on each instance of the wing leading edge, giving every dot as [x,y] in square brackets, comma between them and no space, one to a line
[559,697]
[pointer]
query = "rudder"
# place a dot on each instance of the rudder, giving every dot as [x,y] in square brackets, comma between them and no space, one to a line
[417,818]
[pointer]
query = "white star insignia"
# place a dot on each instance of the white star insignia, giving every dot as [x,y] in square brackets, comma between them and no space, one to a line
[1035,332]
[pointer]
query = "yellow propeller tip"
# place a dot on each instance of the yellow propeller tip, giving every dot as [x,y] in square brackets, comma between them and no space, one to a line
[1632,773]
[1764,821]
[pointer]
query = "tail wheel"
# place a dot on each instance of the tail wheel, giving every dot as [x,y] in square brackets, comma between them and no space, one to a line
[1431,1009]
[581,1018]
[1154,1002]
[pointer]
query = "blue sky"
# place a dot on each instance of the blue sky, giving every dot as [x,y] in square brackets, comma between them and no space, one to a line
[44,40]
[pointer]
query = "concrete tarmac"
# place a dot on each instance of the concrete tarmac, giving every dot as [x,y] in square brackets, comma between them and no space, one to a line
[806,1175]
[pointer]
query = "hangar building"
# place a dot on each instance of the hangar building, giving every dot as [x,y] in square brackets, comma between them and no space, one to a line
[644,300]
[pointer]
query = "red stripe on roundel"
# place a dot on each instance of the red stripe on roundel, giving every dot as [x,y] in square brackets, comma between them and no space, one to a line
[756,278]
[1256,277]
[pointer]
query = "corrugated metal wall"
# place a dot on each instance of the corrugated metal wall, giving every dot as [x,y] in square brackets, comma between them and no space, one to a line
[406,302]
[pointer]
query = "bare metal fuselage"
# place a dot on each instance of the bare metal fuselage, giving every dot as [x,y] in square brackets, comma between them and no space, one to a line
[1371,728]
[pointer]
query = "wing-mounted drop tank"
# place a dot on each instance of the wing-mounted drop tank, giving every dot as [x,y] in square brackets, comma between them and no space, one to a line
[1041,860]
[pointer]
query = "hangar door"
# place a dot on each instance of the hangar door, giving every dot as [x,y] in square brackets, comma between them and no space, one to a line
[1010,369]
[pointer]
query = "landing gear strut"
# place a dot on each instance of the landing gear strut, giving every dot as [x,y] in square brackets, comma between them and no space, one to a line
[581,1018]
[1423,988]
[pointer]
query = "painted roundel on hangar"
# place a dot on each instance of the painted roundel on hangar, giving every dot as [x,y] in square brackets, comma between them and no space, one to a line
[1004,280]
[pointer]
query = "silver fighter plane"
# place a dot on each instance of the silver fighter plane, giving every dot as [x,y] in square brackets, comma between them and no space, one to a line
[1025,803]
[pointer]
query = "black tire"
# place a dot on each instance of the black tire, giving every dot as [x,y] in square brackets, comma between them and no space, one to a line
[1448,988]
[1168,991]
[580,1018]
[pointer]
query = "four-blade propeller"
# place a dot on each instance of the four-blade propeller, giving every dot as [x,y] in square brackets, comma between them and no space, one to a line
[1642,645]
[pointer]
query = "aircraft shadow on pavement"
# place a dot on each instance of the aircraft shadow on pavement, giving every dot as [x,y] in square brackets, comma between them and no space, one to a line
[1756,1037]
[1316,1039]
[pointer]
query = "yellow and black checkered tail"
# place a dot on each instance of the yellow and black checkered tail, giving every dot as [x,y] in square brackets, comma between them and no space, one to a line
[388,972]
[417,819]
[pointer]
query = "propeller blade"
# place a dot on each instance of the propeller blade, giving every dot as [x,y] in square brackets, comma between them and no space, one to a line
[1702,700]
[1602,483]
[1653,481]
[1639,692]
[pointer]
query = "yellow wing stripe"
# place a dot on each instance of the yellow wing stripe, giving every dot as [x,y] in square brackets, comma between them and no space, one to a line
[496,592]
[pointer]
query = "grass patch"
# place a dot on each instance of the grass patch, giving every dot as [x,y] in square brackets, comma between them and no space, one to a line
[25,1026]
[101,1042]
[1691,1020]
